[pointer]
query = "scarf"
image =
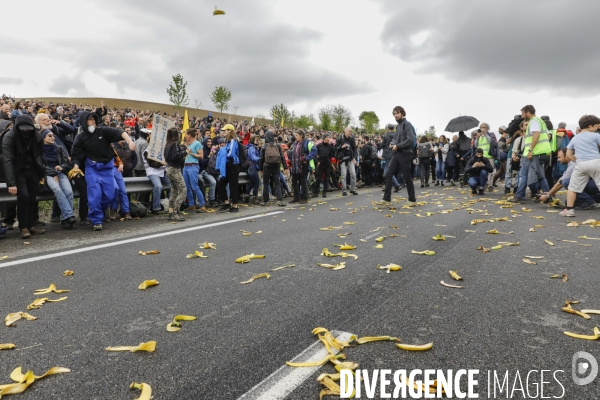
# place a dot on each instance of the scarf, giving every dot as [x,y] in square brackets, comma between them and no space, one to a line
[51,155]
[297,158]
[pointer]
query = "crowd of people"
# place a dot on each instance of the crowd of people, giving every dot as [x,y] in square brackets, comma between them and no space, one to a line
[58,147]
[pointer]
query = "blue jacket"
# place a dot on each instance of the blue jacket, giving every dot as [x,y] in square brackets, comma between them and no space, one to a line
[253,155]
[233,153]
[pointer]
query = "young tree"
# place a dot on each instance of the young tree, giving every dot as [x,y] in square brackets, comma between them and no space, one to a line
[430,133]
[177,92]
[235,108]
[279,113]
[326,117]
[221,97]
[341,117]
[304,121]
[197,104]
[369,121]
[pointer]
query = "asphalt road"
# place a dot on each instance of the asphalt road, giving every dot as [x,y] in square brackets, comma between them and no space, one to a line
[508,316]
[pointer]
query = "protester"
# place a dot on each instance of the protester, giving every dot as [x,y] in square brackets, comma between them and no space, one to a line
[253,150]
[325,152]
[271,158]
[120,195]
[478,168]
[92,148]
[174,157]
[191,172]
[402,145]
[303,152]
[229,166]
[425,152]
[440,154]
[22,153]
[155,171]
[346,155]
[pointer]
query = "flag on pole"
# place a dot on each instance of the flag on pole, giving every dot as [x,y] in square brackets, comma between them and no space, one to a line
[282,122]
[186,125]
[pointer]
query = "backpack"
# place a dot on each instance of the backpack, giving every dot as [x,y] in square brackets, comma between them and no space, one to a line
[211,167]
[243,156]
[425,150]
[152,163]
[272,156]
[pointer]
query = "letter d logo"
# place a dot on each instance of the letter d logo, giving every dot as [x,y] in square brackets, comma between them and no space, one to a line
[581,368]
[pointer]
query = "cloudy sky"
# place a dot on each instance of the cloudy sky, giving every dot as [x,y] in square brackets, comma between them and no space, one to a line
[437,58]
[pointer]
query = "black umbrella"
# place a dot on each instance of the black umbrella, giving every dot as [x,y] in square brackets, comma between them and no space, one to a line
[462,123]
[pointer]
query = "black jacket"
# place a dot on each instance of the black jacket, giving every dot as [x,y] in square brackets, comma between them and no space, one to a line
[65,133]
[14,151]
[95,146]
[475,171]
[385,145]
[340,152]
[404,137]
[269,139]
[63,161]
[366,153]
[325,152]
[174,155]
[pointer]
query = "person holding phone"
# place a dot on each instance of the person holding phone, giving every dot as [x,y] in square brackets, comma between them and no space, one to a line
[478,168]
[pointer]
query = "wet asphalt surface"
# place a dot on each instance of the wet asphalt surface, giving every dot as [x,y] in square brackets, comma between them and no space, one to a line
[507,317]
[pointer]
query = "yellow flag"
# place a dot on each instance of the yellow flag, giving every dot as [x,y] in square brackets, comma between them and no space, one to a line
[186,125]
[282,122]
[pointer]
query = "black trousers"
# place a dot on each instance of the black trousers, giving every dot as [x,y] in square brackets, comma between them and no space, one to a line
[400,162]
[9,213]
[425,166]
[367,172]
[232,174]
[322,175]
[271,176]
[452,171]
[28,184]
[81,185]
[299,180]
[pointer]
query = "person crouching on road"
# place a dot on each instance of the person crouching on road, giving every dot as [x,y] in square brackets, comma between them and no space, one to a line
[92,149]
[22,151]
[478,169]
[57,167]
[174,156]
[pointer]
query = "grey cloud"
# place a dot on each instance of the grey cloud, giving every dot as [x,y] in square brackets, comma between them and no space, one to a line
[69,85]
[535,45]
[10,81]
[261,60]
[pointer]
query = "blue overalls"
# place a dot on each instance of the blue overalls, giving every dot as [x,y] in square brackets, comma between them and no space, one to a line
[100,188]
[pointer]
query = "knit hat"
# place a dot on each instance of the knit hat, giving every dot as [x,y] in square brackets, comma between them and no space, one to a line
[45,133]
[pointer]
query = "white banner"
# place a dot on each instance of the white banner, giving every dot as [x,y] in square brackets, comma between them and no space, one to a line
[156,147]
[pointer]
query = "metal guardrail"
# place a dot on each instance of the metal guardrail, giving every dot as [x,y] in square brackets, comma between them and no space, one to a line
[133,186]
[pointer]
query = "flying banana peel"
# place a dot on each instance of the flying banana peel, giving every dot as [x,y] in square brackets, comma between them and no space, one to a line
[7,346]
[148,346]
[14,317]
[389,267]
[263,275]
[146,284]
[51,288]
[424,252]
[145,388]
[413,347]
[455,276]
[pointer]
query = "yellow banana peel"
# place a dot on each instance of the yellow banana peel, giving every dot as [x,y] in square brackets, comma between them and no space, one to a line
[498,247]
[368,339]
[317,363]
[68,273]
[528,261]
[175,326]
[285,266]
[242,260]
[380,239]
[588,238]
[343,235]
[7,346]
[254,256]
[572,224]
[346,255]
[257,276]
[595,336]
[145,388]
[439,237]
[424,252]
[37,303]
[196,254]
[330,339]
[509,243]
[563,276]
[246,233]
[334,267]
[247,257]
[23,381]
[148,346]
[538,217]
[455,276]
[346,365]
[207,245]
[379,246]
[571,310]
[345,246]
[327,253]
[14,317]
[415,347]
[389,267]
[590,311]
[526,209]
[51,288]
[146,284]
[534,257]
[492,231]
[349,223]
[451,286]
[150,252]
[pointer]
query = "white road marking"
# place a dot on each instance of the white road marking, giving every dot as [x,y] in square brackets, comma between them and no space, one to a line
[282,382]
[133,240]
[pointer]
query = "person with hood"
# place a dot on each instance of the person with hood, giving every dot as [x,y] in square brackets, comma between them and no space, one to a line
[141,144]
[24,167]
[92,148]
[462,147]
[478,168]
[253,150]
[301,155]
[8,212]
[270,161]
[387,155]
[57,167]
[347,154]
[325,152]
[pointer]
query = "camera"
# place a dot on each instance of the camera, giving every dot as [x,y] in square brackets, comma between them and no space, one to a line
[513,126]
